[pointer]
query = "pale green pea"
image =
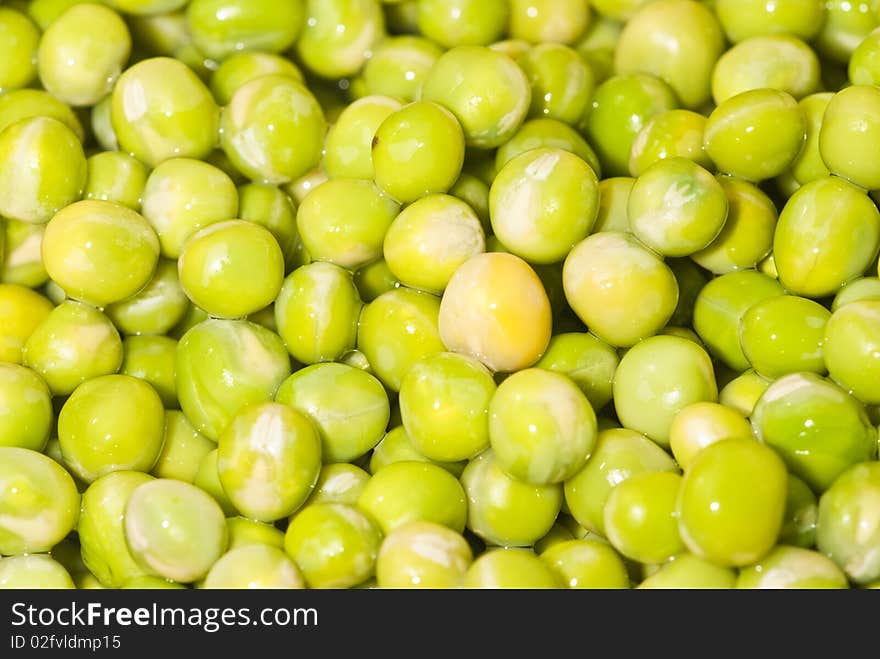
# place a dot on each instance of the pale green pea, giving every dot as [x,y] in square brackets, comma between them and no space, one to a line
[157,308]
[349,143]
[74,343]
[39,502]
[33,571]
[183,449]
[348,406]
[183,195]
[174,530]
[55,178]
[510,568]
[268,461]
[151,358]
[223,365]
[254,566]
[82,53]
[26,413]
[160,109]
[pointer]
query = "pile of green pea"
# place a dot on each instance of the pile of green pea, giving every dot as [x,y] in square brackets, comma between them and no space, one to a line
[439,293]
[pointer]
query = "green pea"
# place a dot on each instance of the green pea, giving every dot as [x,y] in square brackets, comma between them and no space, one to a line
[542,203]
[270,207]
[152,358]
[816,427]
[444,404]
[231,269]
[244,531]
[676,207]
[181,196]
[605,278]
[541,427]
[747,235]
[688,571]
[613,201]
[417,150]
[587,564]
[783,335]
[208,480]
[331,52]
[174,529]
[333,544]
[550,134]
[561,81]
[242,67]
[317,312]
[537,21]
[777,61]
[510,568]
[742,393]
[81,251]
[677,40]
[864,67]
[485,90]
[101,124]
[97,431]
[22,264]
[640,517]
[845,26]
[82,53]
[160,109]
[850,349]
[587,360]
[262,116]
[55,177]
[223,365]
[863,288]
[26,414]
[852,117]
[475,194]
[183,449]
[403,492]
[847,530]
[339,483]
[597,44]
[453,23]
[656,379]
[348,406]
[349,144]
[344,221]
[101,531]
[220,28]
[399,66]
[742,19]
[503,510]
[375,279]
[146,7]
[430,239]
[19,38]
[268,461]
[621,107]
[27,103]
[422,554]
[756,134]
[254,566]
[496,310]
[698,425]
[671,134]
[157,308]
[33,571]
[39,502]
[809,252]
[792,567]
[74,343]
[558,534]
[617,455]
[397,446]
[117,177]
[801,510]
[732,502]
[719,309]
[396,330]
